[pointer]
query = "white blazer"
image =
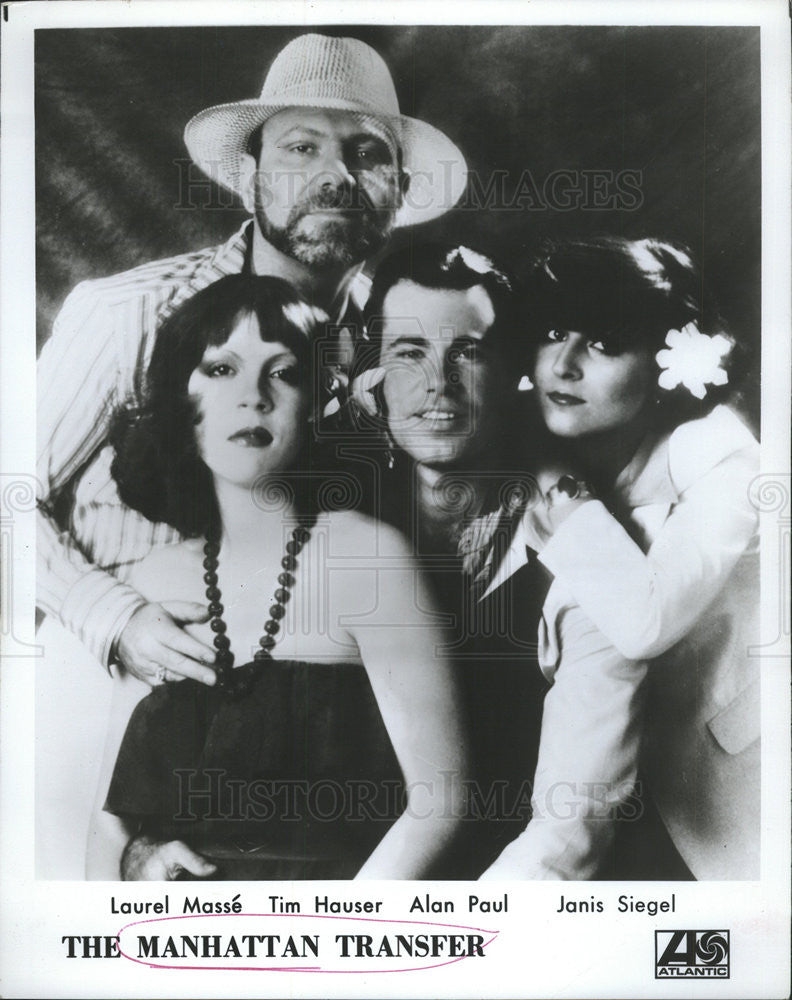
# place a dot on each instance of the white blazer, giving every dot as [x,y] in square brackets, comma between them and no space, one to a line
[680,596]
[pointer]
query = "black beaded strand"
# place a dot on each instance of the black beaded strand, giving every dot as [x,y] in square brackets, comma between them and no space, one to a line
[229,680]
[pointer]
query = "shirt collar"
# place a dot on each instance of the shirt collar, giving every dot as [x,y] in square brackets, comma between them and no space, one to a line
[237,255]
[662,468]
[231,257]
[647,479]
[666,464]
[228,258]
[524,542]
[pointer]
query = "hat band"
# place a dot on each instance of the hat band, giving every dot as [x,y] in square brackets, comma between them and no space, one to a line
[310,91]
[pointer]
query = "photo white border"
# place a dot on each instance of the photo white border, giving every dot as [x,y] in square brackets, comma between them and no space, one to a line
[528,960]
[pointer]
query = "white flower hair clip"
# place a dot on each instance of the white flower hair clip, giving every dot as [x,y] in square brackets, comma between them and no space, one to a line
[692,359]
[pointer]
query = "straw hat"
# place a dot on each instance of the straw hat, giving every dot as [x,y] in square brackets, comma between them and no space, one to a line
[315,71]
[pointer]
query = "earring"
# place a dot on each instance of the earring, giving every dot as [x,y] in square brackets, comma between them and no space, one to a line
[525,384]
[390,453]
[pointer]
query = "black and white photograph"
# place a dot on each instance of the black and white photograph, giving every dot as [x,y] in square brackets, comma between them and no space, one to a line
[407,500]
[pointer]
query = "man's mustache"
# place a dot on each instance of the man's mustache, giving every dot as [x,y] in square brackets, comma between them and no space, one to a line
[341,197]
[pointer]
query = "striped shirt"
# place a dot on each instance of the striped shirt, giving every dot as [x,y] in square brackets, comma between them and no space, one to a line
[95,361]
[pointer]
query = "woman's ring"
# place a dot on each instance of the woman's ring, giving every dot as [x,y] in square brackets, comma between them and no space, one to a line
[162,674]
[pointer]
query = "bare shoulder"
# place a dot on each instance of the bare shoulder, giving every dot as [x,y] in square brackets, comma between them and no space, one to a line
[172,572]
[353,533]
[378,580]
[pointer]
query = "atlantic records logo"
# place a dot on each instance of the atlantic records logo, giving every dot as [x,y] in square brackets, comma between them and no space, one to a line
[691,954]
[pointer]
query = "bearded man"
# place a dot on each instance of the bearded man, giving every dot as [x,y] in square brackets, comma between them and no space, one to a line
[328,167]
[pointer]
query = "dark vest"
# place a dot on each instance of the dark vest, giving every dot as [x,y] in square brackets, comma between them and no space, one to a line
[493,646]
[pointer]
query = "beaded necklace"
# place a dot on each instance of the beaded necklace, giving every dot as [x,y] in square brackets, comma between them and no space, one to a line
[238,682]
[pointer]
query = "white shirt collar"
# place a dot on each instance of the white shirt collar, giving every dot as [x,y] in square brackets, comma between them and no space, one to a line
[663,467]
[516,556]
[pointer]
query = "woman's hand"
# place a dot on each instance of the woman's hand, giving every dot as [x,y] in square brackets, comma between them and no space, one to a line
[148,860]
[548,473]
[558,494]
[154,647]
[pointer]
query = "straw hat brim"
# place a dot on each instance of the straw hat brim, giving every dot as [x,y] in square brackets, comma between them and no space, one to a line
[218,136]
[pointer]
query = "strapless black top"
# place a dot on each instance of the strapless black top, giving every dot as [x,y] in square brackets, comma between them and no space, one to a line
[296,779]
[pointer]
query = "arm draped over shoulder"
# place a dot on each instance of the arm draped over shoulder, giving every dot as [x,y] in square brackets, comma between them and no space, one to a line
[646,602]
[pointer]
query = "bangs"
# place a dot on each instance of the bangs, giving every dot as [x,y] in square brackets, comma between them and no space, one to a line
[281,317]
[208,319]
[616,338]
[278,322]
[604,299]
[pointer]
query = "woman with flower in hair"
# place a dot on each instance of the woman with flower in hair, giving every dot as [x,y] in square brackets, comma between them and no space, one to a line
[439,380]
[645,521]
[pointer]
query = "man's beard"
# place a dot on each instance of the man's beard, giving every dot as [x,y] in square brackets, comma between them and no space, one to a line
[322,241]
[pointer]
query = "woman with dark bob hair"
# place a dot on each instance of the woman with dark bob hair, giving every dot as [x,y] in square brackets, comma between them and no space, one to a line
[646,523]
[320,701]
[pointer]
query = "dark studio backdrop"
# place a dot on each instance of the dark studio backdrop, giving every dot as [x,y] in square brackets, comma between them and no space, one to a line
[566,130]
